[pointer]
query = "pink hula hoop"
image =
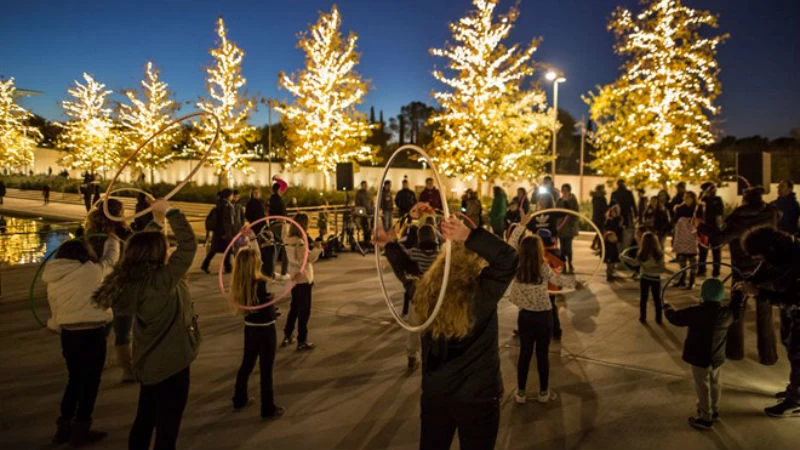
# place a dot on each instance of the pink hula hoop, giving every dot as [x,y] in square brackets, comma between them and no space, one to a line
[467,218]
[230,246]
[143,145]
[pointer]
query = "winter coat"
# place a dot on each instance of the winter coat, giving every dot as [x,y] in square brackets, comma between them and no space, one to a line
[165,331]
[708,325]
[684,241]
[254,211]
[790,213]
[714,210]
[405,200]
[627,204]
[599,209]
[364,200]
[568,222]
[498,212]
[431,197]
[468,369]
[70,286]
[657,219]
[741,220]
[295,251]
[276,205]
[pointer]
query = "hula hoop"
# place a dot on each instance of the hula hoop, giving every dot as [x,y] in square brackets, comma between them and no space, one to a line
[675,275]
[41,267]
[467,218]
[230,246]
[596,229]
[132,189]
[624,253]
[447,245]
[177,188]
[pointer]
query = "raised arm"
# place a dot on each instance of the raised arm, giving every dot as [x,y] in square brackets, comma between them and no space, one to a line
[181,260]
[502,258]
[558,279]
[110,254]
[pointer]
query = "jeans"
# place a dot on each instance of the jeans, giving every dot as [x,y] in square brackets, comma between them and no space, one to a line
[387,220]
[412,340]
[556,319]
[259,343]
[535,329]
[366,228]
[708,387]
[477,423]
[161,408]
[654,286]
[716,255]
[566,249]
[685,260]
[122,329]
[300,311]
[85,354]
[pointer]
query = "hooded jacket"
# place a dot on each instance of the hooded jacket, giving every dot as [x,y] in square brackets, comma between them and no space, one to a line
[599,208]
[708,325]
[70,286]
[790,213]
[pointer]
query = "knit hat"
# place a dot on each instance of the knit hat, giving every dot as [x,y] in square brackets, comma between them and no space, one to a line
[547,237]
[712,290]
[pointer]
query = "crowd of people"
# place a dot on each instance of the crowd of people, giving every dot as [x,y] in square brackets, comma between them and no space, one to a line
[128,281]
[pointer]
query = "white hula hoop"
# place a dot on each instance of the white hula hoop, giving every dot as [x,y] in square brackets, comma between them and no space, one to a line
[124,189]
[599,234]
[177,188]
[447,246]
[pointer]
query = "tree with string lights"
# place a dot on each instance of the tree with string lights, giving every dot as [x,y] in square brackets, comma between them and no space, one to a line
[18,138]
[322,125]
[491,124]
[229,105]
[654,121]
[143,117]
[89,138]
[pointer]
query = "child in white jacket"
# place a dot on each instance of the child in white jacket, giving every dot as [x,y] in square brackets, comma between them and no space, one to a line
[72,277]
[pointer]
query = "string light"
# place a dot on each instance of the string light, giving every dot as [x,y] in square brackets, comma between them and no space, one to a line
[655,120]
[17,138]
[490,126]
[142,118]
[322,125]
[229,106]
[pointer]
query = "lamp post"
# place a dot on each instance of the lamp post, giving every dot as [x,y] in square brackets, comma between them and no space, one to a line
[556,79]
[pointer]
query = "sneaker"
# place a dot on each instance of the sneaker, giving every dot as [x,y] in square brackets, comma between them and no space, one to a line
[700,423]
[304,346]
[520,398]
[781,395]
[413,363]
[63,431]
[786,408]
[276,413]
[286,341]
[714,415]
[546,396]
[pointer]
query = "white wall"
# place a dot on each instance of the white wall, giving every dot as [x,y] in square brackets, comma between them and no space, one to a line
[260,175]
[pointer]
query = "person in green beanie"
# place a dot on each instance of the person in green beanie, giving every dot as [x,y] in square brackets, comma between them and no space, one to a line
[704,347]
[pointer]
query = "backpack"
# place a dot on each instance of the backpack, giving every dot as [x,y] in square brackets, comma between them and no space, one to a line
[211,219]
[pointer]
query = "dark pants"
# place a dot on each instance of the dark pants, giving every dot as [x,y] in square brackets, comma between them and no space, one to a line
[300,311]
[365,226]
[654,286]
[566,249]
[278,252]
[790,335]
[161,407]
[716,256]
[556,319]
[85,354]
[476,421]
[122,329]
[259,343]
[267,260]
[218,246]
[535,330]
[87,202]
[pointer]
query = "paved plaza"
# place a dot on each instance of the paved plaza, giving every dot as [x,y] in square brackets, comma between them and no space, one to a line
[620,384]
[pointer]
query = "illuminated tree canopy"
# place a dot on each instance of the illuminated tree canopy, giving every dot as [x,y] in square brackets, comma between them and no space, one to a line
[17,138]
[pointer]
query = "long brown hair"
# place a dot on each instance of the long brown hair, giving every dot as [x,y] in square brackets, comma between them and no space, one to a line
[650,248]
[246,274]
[531,259]
[144,254]
[454,320]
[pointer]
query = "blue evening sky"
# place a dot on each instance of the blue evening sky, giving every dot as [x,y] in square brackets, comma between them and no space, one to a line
[47,45]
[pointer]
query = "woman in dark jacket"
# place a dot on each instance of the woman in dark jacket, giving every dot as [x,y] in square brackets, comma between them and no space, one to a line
[461,383]
[599,208]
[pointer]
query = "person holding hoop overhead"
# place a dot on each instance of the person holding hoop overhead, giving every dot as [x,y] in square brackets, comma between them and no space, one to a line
[461,383]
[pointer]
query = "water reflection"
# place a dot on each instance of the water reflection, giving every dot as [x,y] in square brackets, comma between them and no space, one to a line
[27,240]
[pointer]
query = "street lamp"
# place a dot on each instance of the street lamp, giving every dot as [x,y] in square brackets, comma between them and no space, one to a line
[556,79]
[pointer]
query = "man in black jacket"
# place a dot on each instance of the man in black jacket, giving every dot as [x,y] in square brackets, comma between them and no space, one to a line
[223,231]
[627,208]
[713,211]
[704,347]
[789,208]
[277,208]
[778,281]
[405,199]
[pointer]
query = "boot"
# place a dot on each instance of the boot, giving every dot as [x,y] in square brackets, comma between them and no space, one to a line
[125,361]
[82,434]
[63,431]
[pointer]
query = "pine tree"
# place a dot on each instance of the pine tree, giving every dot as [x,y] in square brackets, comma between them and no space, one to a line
[229,105]
[18,138]
[323,126]
[89,138]
[490,126]
[144,117]
[654,122]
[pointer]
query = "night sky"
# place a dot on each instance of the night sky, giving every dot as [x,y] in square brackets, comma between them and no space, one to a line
[47,45]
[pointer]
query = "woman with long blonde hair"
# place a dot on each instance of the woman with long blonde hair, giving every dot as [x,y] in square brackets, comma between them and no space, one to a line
[461,384]
[249,288]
